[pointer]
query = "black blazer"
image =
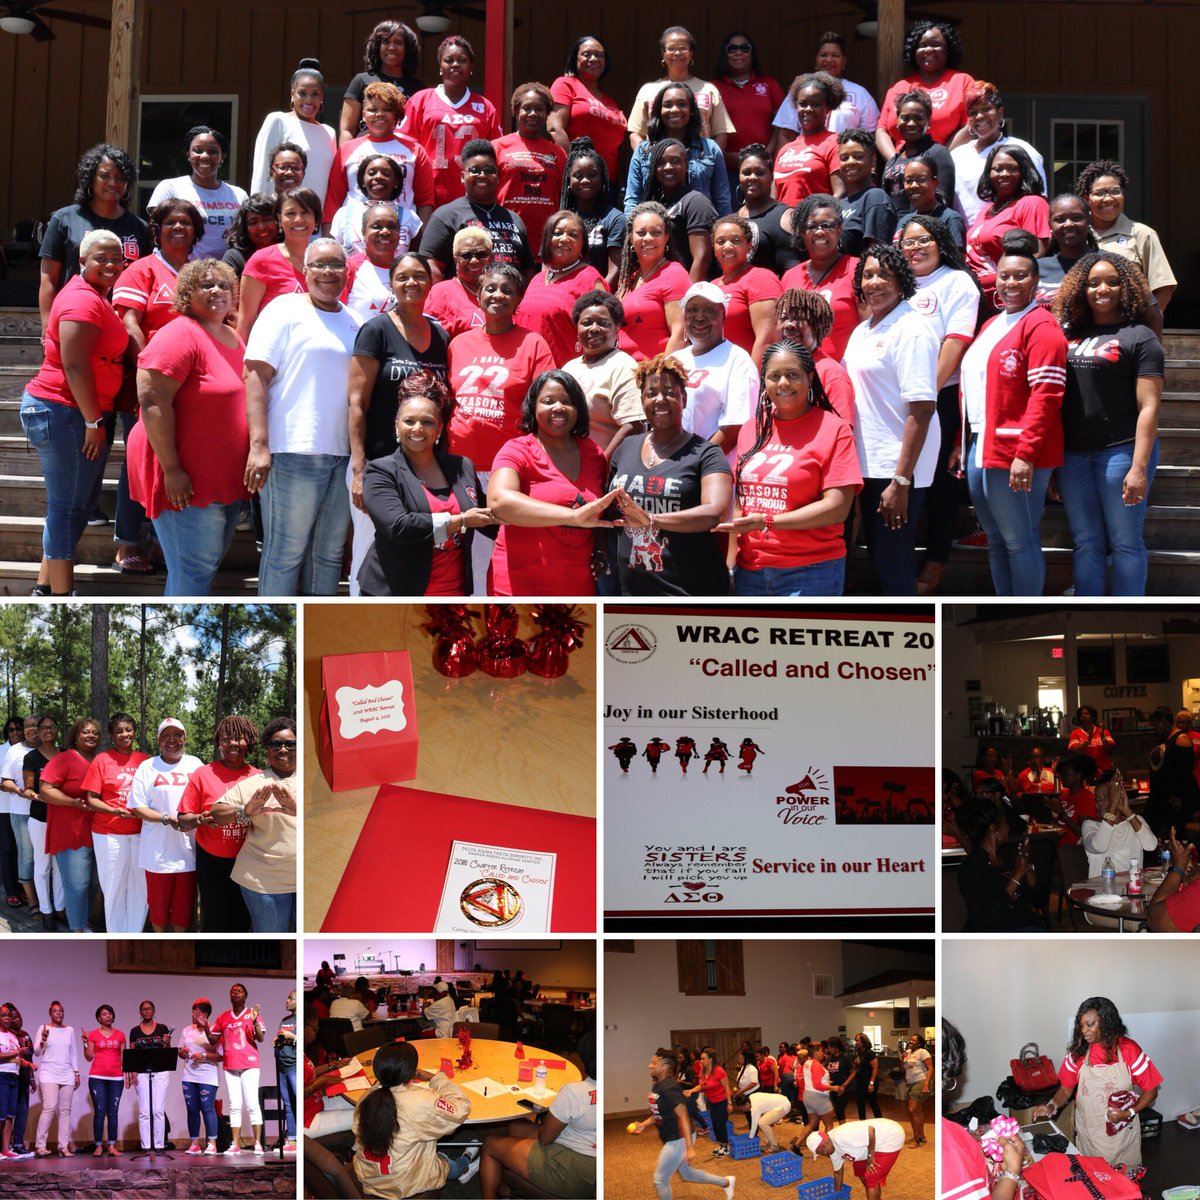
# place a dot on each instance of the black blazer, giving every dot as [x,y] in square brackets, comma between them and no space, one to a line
[400,560]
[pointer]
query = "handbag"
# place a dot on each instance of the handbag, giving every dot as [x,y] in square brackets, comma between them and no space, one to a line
[1076,1177]
[1031,1071]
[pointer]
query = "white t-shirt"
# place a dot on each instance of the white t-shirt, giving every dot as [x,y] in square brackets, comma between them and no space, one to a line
[442,1013]
[158,785]
[892,366]
[747,1080]
[969,162]
[319,142]
[764,1105]
[575,1107]
[218,206]
[13,767]
[850,1139]
[59,1062]
[722,388]
[195,1042]
[974,374]
[857,111]
[346,226]
[307,407]
[950,300]
[8,1043]
[350,1009]
[916,1065]
[369,291]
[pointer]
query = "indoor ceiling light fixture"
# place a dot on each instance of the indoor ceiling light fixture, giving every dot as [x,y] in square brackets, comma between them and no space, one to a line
[17,25]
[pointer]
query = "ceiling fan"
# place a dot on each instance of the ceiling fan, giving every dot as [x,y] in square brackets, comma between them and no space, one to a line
[19,17]
[870,17]
[434,15]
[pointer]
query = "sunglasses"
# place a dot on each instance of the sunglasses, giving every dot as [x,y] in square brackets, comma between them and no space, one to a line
[472,254]
[278,744]
[738,47]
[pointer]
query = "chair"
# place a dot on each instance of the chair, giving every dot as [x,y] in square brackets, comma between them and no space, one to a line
[489,1032]
[325,1177]
[508,1017]
[1072,869]
[557,1020]
[401,1027]
[330,1033]
[270,1104]
[367,1038]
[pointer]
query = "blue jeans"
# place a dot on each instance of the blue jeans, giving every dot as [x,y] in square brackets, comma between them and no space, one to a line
[816,579]
[1012,521]
[106,1099]
[286,1078]
[194,542]
[56,432]
[20,828]
[271,912]
[21,1121]
[306,512]
[893,551]
[1101,523]
[671,1158]
[78,870]
[201,1099]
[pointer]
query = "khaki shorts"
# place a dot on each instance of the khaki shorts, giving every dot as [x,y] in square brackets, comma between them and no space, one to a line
[918,1092]
[562,1171]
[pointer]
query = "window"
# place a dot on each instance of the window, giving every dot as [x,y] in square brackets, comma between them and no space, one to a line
[710,968]
[1079,142]
[162,123]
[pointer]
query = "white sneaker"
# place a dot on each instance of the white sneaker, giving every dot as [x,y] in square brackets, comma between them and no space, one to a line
[211,1148]
[730,1184]
[471,1171]
[194,1148]
[257,1148]
[234,1149]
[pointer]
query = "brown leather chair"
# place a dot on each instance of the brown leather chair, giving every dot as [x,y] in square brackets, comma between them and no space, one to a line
[366,1038]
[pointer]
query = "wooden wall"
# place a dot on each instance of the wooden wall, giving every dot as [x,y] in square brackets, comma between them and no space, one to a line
[52,94]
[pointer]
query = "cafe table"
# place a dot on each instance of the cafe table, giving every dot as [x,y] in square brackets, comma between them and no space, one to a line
[492,1060]
[1129,912]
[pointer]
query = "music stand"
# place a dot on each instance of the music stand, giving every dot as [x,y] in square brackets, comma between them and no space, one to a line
[153,1060]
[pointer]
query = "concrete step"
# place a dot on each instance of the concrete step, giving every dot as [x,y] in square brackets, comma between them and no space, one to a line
[17,578]
[21,539]
[18,457]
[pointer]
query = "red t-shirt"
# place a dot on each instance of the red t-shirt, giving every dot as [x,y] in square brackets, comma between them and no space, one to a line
[599,119]
[489,377]
[443,129]
[148,287]
[313,1103]
[964,1169]
[1183,907]
[415,192]
[275,273]
[752,285]
[1080,807]
[79,301]
[949,111]
[531,179]
[645,331]
[454,308]
[838,288]
[1143,1072]
[713,1085]
[111,776]
[448,576]
[750,106]
[800,460]
[107,1047]
[239,1050]
[1025,779]
[768,1072]
[803,166]
[211,396]
[546,308]
[985,238]
[67,828]
[1080,742]
[204,789]
[554,561]
[837,385]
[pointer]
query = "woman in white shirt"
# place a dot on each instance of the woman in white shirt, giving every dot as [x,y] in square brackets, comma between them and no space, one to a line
[199,1076]
[300,125]
[56,1056]
[1117,833]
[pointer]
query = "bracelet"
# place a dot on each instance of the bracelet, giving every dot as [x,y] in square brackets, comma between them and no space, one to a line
[768,522]
[1054,1110]
[1178,871]
[1010,1175]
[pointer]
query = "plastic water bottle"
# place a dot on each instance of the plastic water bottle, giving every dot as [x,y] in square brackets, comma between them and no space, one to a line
[1135,877]
[1164,853]
[1109,874]
[540,1075]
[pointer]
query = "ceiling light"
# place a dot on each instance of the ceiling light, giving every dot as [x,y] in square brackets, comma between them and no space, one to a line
[867,29]
[13,24]
[433,23]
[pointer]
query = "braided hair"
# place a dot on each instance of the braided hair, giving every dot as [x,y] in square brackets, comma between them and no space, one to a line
[1071,307]
[237,728]
[628,271]
[807,306]
[764,417]
[891,258]
[582,148]
[1096,170]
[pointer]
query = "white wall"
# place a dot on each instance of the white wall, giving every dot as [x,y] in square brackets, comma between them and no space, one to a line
[413,952]
[35,972]
[642,1004]
[1004,993]
[572,966]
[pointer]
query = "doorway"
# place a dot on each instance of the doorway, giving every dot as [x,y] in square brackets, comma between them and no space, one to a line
[726,1042]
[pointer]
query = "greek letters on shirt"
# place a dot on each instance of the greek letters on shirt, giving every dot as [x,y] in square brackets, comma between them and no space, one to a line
[172,779]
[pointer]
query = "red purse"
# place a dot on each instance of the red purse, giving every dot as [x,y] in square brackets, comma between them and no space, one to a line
[1031,1071]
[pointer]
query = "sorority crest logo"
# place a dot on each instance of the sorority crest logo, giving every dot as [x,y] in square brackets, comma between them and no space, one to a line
[809,801]
[1010,362]
[925,302]
[630,644]
[477,106]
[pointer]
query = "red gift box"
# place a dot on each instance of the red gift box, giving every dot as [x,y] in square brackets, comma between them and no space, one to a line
[368,719]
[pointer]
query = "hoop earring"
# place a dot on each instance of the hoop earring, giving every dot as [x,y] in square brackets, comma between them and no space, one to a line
[948,1088]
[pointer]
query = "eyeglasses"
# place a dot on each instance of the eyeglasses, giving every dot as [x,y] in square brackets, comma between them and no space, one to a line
[915,243]
[738,47]
[277,744]
[471,254]
[488,170]
[327,268]
[821,226]
[1109,193]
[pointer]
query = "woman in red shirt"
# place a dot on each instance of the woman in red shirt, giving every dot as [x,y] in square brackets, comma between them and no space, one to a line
[454,303]
[1091,738]
[751,291]
[751,98]
[278,270]
[816,231]
[106,1081]
[69,823]
[63,408]
[531,165]
[547,489]
[651,284]
[797,476]
[581,109]
[1013,187]
[933,51]
[810,163]
[714,1083]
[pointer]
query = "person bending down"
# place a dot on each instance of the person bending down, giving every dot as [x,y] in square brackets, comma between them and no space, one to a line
[872,1147]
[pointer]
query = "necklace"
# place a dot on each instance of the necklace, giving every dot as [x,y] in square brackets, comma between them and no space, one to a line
[645,277]
[554,274]
[489,209]
[819,278]
[655,455]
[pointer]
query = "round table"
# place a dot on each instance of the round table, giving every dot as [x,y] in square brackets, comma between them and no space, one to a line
[492,1060]
[1130,914]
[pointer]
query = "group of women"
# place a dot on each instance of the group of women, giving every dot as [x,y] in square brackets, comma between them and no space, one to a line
[49,1067]
[494,340]
[141,835]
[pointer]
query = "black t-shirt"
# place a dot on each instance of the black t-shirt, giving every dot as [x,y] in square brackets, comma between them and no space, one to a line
[866,216]
[1104,364]
[772,246]
[147,1041]
[667,1097]
[693,564]
[605,231]
[379,339]
[892,180]
[692,213]
[285,1052]
[67,227]
[862,1068]
[838,1068]
[35,760]
[408,84]
[510,242]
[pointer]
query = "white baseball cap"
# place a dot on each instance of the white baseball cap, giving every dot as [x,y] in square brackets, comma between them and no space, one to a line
[170,723]
[815,1139]
[705,290]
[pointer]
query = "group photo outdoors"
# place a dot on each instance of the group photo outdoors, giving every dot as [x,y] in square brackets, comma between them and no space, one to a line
[757,333]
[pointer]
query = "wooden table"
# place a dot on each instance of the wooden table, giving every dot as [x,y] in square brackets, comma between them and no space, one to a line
[527,741]
[493,1060]
[1130,914]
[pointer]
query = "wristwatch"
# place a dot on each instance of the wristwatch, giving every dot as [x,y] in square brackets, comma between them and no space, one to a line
[902,480]
[98,423]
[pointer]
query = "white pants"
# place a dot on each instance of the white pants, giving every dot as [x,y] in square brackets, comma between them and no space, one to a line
[162,1081]
[122,881]
[764,1122]
[46,878]
[55,1097]
[362,536]
[482,547]
[243,1090]
[336,1117]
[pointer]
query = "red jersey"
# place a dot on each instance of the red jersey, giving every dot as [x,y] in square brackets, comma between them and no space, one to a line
[204,789]
[838,288]
[804,166]
[600,119]
[110,776]
[751,286]
[531,179]
[442,129]
[148,288]
[1143,1072]
[1093,745]
[416,191]
[1080,807]
[239,1050]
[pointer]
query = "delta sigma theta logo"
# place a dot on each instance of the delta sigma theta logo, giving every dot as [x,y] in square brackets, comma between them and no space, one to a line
[630,644]
[1010,363]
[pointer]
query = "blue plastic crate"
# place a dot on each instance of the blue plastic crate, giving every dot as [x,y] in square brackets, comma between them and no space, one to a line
[741,1145]
[781,1169]
[823,1189]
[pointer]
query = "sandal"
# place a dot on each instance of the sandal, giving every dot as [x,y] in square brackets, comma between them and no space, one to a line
[912,1145]
[16,902]
[134,564]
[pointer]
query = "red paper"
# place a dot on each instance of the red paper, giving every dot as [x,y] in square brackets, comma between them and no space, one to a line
[335,1089]
[525,1073]
[424,824]
[519,1052]
[554,1064]
[352,757]
[447,1068]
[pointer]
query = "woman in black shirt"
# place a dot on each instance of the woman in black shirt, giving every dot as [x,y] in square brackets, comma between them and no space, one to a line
[150,1034]
[393,55]
[769,218]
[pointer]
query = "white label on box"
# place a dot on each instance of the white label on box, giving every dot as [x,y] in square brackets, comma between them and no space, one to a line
[370,709]
[496,887]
